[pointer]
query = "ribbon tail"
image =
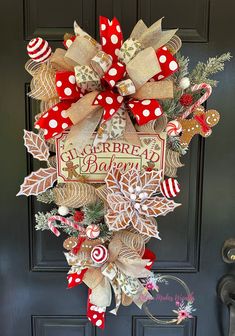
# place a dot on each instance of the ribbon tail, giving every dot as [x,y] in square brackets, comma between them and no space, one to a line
[118,296]
[80,134]
[130,133]
[111,36]
[95,314]
[75,279]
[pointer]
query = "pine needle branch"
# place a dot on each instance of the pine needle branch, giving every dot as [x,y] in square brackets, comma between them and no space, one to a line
[42,223]
[46,197]
[203,71]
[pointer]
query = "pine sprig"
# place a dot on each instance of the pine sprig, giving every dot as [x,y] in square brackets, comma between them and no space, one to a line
[93,212]
[41,219]
[174,144]
[46,197]
[183,68]
[203,71]
[42,223]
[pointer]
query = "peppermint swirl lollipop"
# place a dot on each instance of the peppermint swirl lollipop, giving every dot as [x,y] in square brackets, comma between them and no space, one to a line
[99,254]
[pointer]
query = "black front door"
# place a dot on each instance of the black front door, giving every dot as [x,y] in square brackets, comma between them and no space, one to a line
[34,298]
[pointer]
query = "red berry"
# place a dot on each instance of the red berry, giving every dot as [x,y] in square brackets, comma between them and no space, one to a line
[78,216]
[186,99]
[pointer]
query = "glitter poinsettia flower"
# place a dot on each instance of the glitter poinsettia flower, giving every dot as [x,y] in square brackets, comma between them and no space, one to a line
[132,201]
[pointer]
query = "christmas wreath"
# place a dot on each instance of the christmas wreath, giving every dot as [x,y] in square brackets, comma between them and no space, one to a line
[115,118]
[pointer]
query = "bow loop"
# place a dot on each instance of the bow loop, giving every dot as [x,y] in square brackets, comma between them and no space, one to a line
[167,63]
[66,85]
[55,120]
[111,36]
[145,110]
[110,101]
[114,74]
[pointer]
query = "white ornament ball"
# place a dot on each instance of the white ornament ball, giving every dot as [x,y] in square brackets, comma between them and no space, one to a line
[173,128]
[92,231]
[63,210]
[184,83]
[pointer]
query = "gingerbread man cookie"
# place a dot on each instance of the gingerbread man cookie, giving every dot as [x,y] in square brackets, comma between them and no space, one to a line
[71,169]
[70,243]
[200,123]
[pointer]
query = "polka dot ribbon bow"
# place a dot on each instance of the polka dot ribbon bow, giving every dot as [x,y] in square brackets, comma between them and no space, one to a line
[120,86]
[121,75]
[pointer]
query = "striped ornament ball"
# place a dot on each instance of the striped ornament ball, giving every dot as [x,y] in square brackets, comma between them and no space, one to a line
[170,187]
[39,50]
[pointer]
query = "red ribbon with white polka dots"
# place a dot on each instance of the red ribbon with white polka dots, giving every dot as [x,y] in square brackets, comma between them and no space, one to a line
[144,110]
[55,120]
[111,36]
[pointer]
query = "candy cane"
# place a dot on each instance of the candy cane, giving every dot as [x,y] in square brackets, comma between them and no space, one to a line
[201,100]
[65,221]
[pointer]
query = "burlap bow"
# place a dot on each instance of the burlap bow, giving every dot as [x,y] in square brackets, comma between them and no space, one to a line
[121,271]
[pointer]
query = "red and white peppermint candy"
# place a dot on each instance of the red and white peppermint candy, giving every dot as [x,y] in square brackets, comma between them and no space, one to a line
[92,231]
[170,187]
[66,85]
[110,101]
[99,254]
[55,120]
[95,314]
[114,74]
[145,110]
[74,279]
[167,63]
[173,128]
[39,50]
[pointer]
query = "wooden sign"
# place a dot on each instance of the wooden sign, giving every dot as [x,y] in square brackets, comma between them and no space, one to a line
[94,163]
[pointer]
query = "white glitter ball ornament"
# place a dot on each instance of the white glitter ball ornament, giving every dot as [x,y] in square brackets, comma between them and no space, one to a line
[184,83]
[63,210]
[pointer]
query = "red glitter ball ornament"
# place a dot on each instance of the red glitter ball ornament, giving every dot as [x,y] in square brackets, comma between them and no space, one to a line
[186,99]
[78,216]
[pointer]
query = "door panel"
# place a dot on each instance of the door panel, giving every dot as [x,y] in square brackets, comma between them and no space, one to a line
[34,298]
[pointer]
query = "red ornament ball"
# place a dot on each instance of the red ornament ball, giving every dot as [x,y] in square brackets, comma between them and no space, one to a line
[186,99]
[78,216]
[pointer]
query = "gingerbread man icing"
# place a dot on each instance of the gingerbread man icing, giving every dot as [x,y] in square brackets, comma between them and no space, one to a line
[201,123]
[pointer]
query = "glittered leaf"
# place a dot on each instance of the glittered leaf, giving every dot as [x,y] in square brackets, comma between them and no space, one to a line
[158,206]
[37,182]
[36,146]
[146,226]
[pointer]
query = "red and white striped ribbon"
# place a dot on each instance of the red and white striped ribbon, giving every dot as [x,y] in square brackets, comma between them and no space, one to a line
[201,100]
[66,221]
